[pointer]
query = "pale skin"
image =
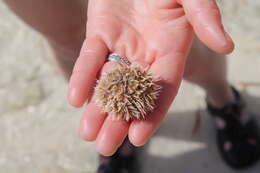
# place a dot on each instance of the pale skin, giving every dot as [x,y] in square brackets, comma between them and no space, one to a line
[151,33]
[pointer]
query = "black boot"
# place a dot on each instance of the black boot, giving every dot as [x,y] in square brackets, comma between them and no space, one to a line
[238,136]
[123,161]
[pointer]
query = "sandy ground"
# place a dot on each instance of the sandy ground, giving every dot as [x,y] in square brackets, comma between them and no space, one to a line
[39,130]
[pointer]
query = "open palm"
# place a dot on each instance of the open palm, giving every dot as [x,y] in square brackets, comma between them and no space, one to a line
[150,33]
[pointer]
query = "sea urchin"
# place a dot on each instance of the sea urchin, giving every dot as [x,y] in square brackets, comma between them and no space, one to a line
[127,93]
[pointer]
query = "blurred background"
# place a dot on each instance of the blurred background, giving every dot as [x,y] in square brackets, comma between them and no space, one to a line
[39,130]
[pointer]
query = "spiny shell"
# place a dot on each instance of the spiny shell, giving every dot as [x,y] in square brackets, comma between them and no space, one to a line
[128,92]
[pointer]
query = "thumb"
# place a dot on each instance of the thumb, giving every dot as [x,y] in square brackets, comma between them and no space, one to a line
[205,17]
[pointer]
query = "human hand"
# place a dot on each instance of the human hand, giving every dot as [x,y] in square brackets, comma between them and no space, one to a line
[154,33]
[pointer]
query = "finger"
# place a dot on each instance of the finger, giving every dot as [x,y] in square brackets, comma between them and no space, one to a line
[91,122]
[205,17]
[112,133]
[93,117]
[111,136]
[91,59]
[170,77]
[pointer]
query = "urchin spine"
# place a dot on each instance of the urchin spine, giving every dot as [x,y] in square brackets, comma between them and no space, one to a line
[128,92]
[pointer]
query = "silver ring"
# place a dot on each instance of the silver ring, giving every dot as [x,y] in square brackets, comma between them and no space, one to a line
[118,58]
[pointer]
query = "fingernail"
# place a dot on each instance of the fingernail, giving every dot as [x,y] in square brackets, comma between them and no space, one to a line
[135,139]
[73,94]
[84,133]
[228,38]
[82,129]
[219,35]
[102,148]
